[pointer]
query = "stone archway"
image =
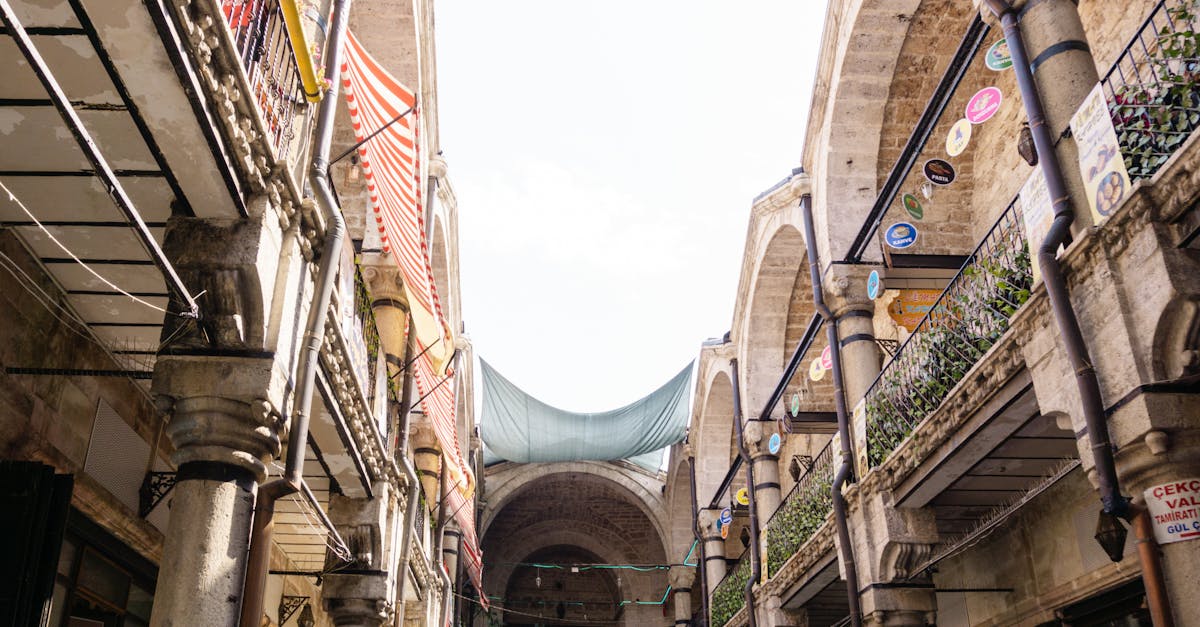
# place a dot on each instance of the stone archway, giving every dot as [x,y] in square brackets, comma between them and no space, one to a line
[564,513]
[714,435]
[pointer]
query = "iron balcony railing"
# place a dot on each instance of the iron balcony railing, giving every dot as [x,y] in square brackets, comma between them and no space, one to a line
[971,314]
[803,511]
[730,595]
[364,316]
[267,57]
[1153,89]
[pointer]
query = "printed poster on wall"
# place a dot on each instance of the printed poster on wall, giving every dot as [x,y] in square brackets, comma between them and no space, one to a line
[1100,162]
[1037,213]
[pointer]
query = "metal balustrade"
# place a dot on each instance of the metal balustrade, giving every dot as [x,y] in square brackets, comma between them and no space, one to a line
[729,595]
[1152,89]
[968,318]
[802,512]
[262,43]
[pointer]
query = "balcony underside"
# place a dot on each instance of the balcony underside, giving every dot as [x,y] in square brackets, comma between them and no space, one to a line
[122,80]
[822,595]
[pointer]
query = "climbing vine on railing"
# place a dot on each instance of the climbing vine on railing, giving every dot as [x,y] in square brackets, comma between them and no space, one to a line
[802,512]
[1153,89]
[729,595]
[967,319]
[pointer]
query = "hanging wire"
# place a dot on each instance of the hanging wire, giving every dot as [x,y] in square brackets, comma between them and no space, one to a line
[13,197]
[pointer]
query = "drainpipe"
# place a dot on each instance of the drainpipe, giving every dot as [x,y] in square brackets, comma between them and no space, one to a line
[410,518]
[446,597]
[1114,504]
[1052,275]
[292,480]
[845,470]
[699,537]
[744,453]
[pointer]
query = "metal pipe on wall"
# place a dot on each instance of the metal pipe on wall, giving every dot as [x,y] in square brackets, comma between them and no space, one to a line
[845,470]
[703,574]
[744,452]
[292,481]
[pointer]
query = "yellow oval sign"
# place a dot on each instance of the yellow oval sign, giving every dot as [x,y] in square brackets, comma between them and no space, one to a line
[742,497]
[816,370]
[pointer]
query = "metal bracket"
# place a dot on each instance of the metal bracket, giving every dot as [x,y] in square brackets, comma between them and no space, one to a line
[888,346]
[155,487]
[288,605]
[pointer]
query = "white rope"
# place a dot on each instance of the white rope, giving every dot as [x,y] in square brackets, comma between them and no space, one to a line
[13,198]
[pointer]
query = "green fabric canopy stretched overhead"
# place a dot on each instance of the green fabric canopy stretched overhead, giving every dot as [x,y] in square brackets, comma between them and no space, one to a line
[519,428]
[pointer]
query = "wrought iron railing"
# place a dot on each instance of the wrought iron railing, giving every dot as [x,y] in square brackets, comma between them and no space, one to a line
[365,318]
[802,512]
[267,56]
[730,595]
[971,314]
[1153,89]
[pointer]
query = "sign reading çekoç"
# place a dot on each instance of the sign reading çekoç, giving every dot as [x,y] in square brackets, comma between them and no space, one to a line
[1175,510]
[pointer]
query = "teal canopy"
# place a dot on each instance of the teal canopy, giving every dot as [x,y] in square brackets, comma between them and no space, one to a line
[519,428]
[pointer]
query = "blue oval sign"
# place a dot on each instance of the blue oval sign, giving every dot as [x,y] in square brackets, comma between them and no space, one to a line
[774,443]
[873,284]
[900,235]
[726,516]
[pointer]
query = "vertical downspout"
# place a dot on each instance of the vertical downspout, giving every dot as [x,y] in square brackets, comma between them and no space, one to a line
[703,574]
[845,470]
[755,550]
[1112,501]
[410,515]
[259,558]
[1052,275]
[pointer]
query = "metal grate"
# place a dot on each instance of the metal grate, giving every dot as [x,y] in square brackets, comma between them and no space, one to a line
[262,43]
[803,511]
[1153,89]
[116,456]
[968,318]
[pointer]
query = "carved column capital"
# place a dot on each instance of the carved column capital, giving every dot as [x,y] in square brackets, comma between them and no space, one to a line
[214,429]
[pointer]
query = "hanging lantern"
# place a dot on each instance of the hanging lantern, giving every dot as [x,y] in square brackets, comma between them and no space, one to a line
[1110,533]
[1025,145]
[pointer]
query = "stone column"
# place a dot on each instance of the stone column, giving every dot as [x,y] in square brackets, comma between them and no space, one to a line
[427,454]
[220,449]
[451,541]
[889,544]
[714,548]
[846,295]
[361,599]
[681,587]
[766,470]
[1065,73]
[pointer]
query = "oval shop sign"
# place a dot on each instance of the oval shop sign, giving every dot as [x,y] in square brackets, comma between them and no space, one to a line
[939,171]
[900,235]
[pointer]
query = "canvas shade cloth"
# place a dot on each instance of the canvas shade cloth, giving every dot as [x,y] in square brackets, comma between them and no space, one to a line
[519,428]
[391,166]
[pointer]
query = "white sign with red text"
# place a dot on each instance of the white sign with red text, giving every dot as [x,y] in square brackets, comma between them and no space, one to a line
[1175,510]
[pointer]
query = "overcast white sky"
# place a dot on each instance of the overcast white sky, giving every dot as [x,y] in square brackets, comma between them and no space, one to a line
[605,155]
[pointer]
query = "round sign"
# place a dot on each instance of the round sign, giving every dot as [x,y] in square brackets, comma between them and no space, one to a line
[815,371]
[795,403]
[774,443]
[726,516]
[913,206]
[939,171]
[827,358]
[959,137]
[742,497]
[900,235]
[984,104]
[873,284]
[998,57]
[724,532]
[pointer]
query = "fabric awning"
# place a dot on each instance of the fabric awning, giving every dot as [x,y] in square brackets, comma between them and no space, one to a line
[519,428]
[392,170]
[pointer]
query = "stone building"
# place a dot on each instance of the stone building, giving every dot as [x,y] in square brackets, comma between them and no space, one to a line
[211,409]
[955,425]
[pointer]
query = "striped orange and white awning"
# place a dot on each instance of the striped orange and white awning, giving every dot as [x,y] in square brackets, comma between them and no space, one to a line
[392,168]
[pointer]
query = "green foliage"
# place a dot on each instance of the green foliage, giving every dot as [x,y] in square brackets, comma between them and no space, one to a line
[799,517]
[1158,107]
[969,318]
[729,595]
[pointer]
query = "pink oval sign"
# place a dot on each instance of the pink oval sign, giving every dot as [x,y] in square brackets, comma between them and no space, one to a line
[984,104]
